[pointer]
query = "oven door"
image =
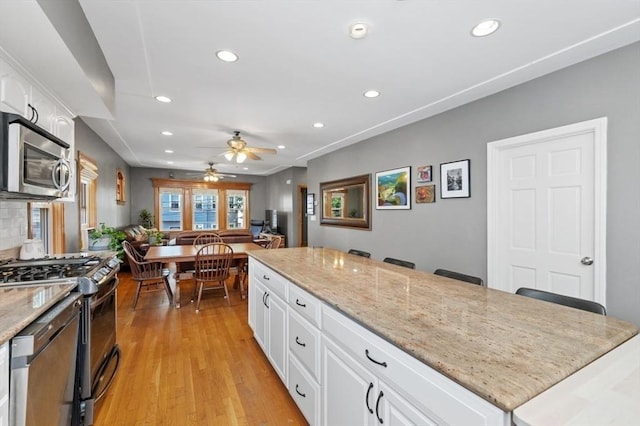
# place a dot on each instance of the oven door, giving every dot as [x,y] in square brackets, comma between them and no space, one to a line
[105,355]
[38,162]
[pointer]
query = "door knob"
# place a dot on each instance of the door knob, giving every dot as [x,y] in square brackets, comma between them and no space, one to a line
[586,260]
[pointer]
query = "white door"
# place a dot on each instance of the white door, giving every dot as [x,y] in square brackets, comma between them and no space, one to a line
[546,211]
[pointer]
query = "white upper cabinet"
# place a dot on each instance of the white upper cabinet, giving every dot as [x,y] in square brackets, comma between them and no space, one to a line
[14,91]
[42,111]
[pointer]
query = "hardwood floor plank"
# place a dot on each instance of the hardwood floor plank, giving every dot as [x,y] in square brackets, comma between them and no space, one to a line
[183,368]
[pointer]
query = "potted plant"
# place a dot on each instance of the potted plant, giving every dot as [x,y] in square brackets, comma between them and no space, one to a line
[146,218]
[155,236]
[107,238]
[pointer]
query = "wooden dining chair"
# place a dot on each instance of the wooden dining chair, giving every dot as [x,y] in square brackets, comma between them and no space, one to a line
[458,276]
[359,253]
[399,262]
[574,302]
[147,274]
[274,243]
[212,265]
[207,238]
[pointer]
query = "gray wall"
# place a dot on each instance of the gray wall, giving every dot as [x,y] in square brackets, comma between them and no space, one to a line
[452,233]
[141,185]
[283,196]
[109,212]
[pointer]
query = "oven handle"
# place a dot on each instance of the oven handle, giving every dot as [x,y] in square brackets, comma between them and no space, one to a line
[108,295]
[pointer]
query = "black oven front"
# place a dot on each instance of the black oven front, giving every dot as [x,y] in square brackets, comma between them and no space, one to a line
[98,352]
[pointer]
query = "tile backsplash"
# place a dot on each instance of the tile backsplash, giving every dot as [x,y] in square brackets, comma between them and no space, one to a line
[13,224]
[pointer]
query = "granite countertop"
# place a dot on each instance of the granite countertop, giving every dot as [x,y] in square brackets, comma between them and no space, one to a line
[20,305]
[504,347]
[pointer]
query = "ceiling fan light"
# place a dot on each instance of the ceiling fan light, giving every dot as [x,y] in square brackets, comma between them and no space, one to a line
[241,157]
[228,155]
[206,178]
[215,178]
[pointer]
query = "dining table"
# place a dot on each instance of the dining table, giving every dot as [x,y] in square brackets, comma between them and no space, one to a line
[171,255]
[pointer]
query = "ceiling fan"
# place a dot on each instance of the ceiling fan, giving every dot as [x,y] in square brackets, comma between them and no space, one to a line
[238,148]
[211,175]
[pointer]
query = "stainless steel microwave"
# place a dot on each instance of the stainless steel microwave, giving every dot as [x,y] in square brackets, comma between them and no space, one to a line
[35,163]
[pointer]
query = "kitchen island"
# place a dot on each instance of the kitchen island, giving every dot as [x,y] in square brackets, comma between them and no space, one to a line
[505,348]
[20,305]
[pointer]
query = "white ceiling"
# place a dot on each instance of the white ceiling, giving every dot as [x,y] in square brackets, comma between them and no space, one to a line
[298,66]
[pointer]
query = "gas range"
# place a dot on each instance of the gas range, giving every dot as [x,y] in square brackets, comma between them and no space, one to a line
[68,267]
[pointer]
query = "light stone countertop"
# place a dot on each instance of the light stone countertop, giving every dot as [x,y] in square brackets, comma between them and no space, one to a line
[504,347]
[20,305]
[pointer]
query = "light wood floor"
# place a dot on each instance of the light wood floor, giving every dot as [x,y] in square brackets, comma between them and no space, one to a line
[182,368]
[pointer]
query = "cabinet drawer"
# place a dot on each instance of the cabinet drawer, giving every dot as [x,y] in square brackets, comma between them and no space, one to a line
[305,304]
[272,280]
[304,343]
[431,392]
[305,392]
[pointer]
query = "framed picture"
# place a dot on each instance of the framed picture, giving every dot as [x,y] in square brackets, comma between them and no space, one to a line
[455,179]
[424,174]
[425,194]
[393,189]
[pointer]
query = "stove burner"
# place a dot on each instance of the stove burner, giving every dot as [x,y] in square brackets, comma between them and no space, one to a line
[17,271]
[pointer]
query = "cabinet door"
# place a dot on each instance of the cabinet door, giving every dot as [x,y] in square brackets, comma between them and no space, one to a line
[349,391]
[14,91]
[277,328]
[4,384]
[260,318]
[394,410]
[63,127]
[46,110]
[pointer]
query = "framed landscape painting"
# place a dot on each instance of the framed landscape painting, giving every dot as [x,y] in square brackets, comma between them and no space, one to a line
[455,179]
[393,189]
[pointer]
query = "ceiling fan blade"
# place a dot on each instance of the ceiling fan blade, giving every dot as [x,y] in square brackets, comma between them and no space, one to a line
[261,150]
[226,175]
[251,155]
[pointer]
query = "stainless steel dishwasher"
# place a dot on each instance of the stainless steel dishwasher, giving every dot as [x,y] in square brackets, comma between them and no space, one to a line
[43,364]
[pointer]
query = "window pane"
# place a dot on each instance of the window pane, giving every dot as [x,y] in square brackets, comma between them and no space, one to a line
[205,209]
[40,224]
[170,210]
[236,205]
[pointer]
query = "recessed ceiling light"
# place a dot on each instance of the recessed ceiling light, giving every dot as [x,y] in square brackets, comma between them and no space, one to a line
[167,133]
[486,27]
[164,99]
[358,30]
[245,168]
[169,162]
[226,56]
[371,94]
[168,151]
[318,125]
[281,147]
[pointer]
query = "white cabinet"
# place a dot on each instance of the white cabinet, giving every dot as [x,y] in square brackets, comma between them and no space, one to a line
[352,394]
[4,384]
[45,111]
[15,91]
[405,387]
[268,312]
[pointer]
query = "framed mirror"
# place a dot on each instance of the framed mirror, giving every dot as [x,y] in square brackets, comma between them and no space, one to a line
[346,202]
